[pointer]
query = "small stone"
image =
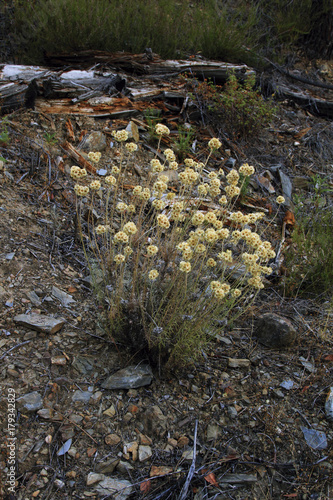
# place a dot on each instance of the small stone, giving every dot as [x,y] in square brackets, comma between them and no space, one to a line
[59,484]
[287,384]
[238,363]
[45,413]
[82,396]
[232,412]
[145,452]
[110,412]
[96,397]
[96,141]
[64,298]
[93,478]
[154,421]
[83,364]
[213,432]
[120,489]
[112,439]
[107,467]
[279,394]
[31,401]
[58,360]
[40,322]
[131,449]
[275,331]
[129,378]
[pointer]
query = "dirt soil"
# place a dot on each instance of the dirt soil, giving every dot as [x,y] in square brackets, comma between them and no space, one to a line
[249,439]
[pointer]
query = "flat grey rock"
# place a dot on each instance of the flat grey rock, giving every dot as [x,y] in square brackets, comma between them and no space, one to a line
[64,298]
[40,322]
[82,396]
[129,378]
[275,331]
[31,402]
[120,489]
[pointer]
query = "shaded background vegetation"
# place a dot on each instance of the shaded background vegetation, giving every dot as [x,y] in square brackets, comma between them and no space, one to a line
[231,31]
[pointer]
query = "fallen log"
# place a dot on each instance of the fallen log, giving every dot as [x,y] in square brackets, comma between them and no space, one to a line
[80,160]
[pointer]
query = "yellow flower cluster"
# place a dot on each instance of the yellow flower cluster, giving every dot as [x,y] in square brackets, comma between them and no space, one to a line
[233,177]
[152,250]
[184,266]
[188,176]
[95,185]
[153,274]
[203,189]
[211,235]
[120,135]
[121,237]
[128,251]
[130,228]
[198,218]
[246,169]
[78,173]
[280,200]
[161,129]
[210,217]
[100,229]
[163,221]
[211,262]
[226,256]
[232,191]
[131,147]
[250,258]
[119,258]
[169,155]
[115,170]
[214,144]
[173,165]
[110,180]
[94,156]
[156,165]
[81,190]
[121,207]
[158,204]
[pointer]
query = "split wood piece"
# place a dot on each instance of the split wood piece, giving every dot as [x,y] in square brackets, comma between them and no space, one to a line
[317,107]
[80,160]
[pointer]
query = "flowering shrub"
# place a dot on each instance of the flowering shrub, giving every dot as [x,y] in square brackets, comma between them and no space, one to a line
[171,267]
[240,107]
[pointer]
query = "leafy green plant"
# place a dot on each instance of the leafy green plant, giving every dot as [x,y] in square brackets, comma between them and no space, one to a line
[152,117]
[239,106]
[50,138]
[309,258]
[182,144]
[170,268]
[4,132]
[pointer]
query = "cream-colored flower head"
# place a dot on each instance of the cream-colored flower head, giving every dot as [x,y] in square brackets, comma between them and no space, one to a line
[246,169]
[198,218]
[163,178]
[212,175]
[171,196]
[121,207]
[214,144]
[128,251]
[215,183]
[223,233]
[163,221]
[236,293]
[250,258]
[280,200]
[145,195]
[200,248]
[225,287]
[130,228]
[169,155]
[219,294]
[78,173]
[95,185]
[255,282]
[158,204]
[233,177]
[137,190]
[225,256]
[215,192]
[210,217]
[178,206]
[120,135]
[110,180]
[211,262]
[182,245]
[189,162]
[152,250]
[161,129]
[214,285]
[81,190]
[115,170]
[187,253]
[200,233]
[94,156]
[156,165]
[211,235]
[203,189]
[131,209]
[236,236]
[100,229]
[236,217]
[153,274]
[173,165]
[223,200]
[131,147]
[232,191]
[218,224]
[75,172]
[121,237]
[184,266]
[119,258]
[160,187]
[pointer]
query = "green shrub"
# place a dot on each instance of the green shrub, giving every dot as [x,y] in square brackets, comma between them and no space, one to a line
[170,268]
[309,258]
[238,107]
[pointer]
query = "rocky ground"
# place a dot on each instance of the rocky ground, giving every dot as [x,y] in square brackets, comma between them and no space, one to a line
[248,421]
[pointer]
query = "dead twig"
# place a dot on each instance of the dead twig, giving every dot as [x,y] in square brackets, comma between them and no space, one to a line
[183,494]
